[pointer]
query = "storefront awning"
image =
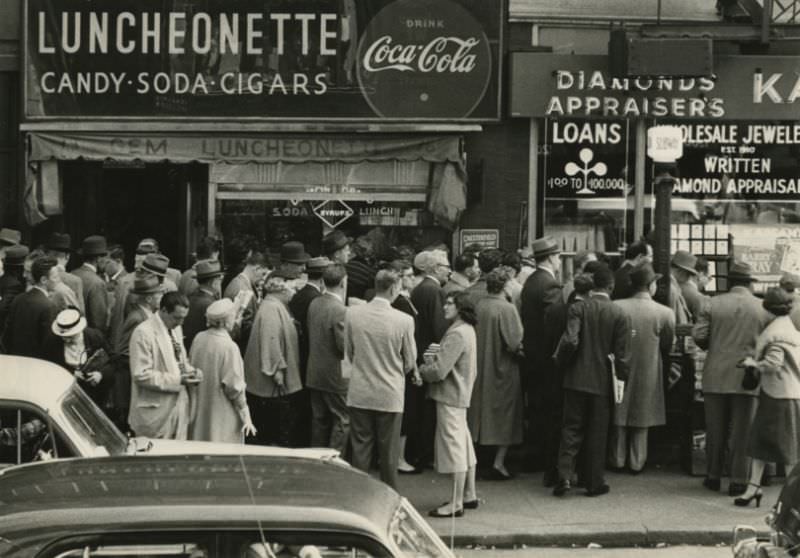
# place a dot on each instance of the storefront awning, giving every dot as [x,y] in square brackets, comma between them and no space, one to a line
[246,148]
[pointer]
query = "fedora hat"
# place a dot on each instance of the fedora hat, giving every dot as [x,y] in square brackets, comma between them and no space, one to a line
[59,242]
[15,255]
[741,271]
[545,246]
[94,245]
[294,252]
[319,263]
[10,237]
[68,322]
[643,275]
[206,269]
[286,272]
[684,260]
[156,263]
[147,246]
[334,241]
[145,285]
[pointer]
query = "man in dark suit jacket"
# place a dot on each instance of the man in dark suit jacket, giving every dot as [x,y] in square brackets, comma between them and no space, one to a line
[95,296]
[12,282]
[542,289]
[330,418]
[298,306]
[32,312]
[208,274]
[636,254]
[428,299]
[596,328]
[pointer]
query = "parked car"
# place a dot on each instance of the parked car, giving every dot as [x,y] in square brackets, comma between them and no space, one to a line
[206,506]
[45,414]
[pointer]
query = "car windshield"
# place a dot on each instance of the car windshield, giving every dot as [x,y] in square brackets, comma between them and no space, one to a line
[92,424]
[414,537]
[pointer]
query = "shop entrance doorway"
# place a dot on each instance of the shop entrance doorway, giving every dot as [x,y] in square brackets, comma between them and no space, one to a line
[126,203]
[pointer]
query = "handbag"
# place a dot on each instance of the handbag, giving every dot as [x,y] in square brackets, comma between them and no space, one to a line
[751,378]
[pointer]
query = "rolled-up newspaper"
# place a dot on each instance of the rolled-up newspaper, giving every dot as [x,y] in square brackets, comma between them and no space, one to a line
[242,302]
[617,384]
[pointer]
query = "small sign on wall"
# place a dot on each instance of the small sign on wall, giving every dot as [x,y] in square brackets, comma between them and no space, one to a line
[486,238]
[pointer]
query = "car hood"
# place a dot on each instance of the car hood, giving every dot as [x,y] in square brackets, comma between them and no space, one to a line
[153,446]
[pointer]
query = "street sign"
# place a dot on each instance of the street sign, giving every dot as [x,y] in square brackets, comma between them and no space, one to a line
[486,238]
[333,212]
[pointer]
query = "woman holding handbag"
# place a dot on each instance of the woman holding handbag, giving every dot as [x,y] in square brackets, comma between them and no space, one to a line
[451,373]
[775,434]
[83,351]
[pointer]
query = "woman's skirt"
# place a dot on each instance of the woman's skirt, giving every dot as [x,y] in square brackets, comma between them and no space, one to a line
[775,430]
[453,445]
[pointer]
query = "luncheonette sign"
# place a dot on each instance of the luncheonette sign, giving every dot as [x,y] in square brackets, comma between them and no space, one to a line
[743,88]
[330,59]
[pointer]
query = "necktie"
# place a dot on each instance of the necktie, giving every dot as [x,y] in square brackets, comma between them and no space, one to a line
[176,347]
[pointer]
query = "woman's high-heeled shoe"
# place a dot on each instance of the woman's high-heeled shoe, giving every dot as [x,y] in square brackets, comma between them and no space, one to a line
[757,495]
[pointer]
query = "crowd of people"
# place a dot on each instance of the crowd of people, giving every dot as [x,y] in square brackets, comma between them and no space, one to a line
[403,360]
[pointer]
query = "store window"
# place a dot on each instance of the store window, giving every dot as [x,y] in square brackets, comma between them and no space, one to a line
[741,180]
[585,178]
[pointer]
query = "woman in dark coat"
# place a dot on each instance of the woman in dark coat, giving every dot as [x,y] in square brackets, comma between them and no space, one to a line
[83,351]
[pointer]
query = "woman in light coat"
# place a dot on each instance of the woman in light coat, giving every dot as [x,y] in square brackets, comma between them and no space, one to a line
[775,434]
[222,414]
[451,374]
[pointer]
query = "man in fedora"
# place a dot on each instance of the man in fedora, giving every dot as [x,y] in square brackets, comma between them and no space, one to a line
[94,249]
[161,373]
[12,282]
[636,254]
[336,247]
[70,293]
[8,237]
[643,403]
[294,253]
[207,249]
[209,279]
[151,264]
[728,328]
[32,312]
[541,290]
[298,306]
[150,246]
[145,298]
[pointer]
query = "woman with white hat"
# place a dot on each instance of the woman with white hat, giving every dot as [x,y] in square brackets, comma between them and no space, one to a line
[222,414]
[81,350]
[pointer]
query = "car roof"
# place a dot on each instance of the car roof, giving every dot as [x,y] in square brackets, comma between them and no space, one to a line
[33,380]
[288,492]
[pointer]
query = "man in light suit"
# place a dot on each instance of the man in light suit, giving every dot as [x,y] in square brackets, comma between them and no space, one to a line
[330,420]
[59,246]
[93,250]
[146,300]
[379,342]
[32,312]
[160,373]
[542,289]
[728,328]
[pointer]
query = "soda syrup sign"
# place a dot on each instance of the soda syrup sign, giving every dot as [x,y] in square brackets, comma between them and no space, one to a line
[268,59]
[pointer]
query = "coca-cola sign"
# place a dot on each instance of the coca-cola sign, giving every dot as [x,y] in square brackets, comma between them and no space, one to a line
[423,59]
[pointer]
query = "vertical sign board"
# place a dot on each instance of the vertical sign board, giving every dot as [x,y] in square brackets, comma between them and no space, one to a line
[270,59]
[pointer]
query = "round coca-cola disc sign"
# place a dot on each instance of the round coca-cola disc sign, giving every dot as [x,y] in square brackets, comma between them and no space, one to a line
[423,59]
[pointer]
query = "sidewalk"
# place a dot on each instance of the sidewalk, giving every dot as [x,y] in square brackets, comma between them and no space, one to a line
[658,506]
